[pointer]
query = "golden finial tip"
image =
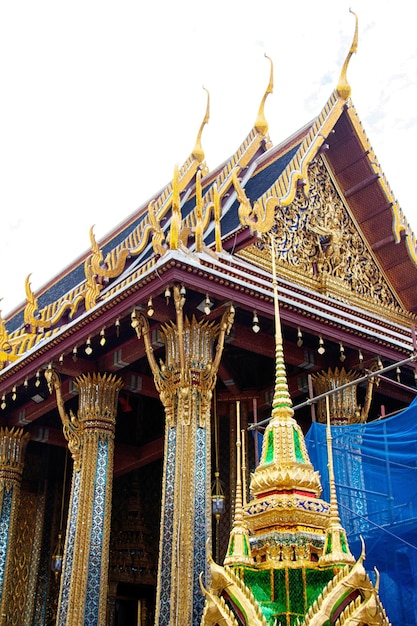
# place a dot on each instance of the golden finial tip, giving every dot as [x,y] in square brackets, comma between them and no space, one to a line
[261,125]
[343,88]
[198,152]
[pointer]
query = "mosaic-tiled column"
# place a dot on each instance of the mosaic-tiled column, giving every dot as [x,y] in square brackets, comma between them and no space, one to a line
[90,436]
[13,444]
[185,382]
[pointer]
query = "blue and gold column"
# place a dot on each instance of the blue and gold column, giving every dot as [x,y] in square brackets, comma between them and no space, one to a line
[13,444]
[185,382]
[90,436]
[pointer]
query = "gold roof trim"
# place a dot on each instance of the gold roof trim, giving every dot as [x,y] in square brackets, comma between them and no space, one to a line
[224,180]
[95,267]
[366,604]
[147,231]
[215,608]
[283,191]
[400,223]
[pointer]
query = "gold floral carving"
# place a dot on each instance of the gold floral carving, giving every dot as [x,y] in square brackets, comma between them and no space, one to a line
[22,553]
[98,403]
[319,243]
[13,444]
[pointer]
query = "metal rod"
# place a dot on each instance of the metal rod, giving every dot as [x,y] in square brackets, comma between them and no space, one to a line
[398,385]
[367,376]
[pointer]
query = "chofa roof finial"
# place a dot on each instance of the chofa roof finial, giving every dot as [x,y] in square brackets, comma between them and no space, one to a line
[261,125]
[343,87]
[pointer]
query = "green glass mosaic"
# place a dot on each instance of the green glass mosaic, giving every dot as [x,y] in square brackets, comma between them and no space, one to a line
[296,591]
[316,581]
[299,456]
[328,547]
[280,590]
[246,549]
[285,595]
[269,457]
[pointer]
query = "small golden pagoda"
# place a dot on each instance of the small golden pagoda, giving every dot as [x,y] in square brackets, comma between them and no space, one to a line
[288,560]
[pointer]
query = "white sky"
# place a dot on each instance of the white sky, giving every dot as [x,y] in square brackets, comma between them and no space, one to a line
[99,101]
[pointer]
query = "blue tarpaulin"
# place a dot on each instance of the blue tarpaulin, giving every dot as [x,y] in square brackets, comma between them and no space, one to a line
[375,468]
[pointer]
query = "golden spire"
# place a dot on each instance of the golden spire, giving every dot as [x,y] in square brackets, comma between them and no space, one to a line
[284,464]
[198,152]
[343,87]
[336,547]
[261,125]
[281,403]
[238,551]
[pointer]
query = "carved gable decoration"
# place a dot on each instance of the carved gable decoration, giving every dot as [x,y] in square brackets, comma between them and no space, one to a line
[320,246]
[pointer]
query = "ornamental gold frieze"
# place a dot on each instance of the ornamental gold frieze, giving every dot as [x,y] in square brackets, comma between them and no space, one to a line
[285,533]
[287,520]
[282,502]
[286,554]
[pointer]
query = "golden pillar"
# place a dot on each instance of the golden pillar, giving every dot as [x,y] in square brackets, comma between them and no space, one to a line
[185,382]
[90,436]
[13,444]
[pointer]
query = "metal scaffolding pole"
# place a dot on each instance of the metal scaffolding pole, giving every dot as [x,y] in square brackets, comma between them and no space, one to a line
[367,376]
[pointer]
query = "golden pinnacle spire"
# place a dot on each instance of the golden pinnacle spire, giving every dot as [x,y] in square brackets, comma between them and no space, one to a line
[336,547]
[198,152]
[343,87]
[285,464]
[238,551]
[281,403]
[261,125]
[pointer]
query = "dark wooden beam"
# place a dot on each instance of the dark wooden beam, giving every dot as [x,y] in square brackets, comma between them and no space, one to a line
[361,185]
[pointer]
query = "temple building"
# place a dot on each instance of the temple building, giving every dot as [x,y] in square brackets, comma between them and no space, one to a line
[163,398]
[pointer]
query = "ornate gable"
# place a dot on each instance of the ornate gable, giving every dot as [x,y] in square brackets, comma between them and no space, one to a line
[321,247]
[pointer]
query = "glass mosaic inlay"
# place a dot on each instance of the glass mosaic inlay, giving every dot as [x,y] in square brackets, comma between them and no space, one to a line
[200,521]
[5,516]
[69,554]
[92,602]
[167,539]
